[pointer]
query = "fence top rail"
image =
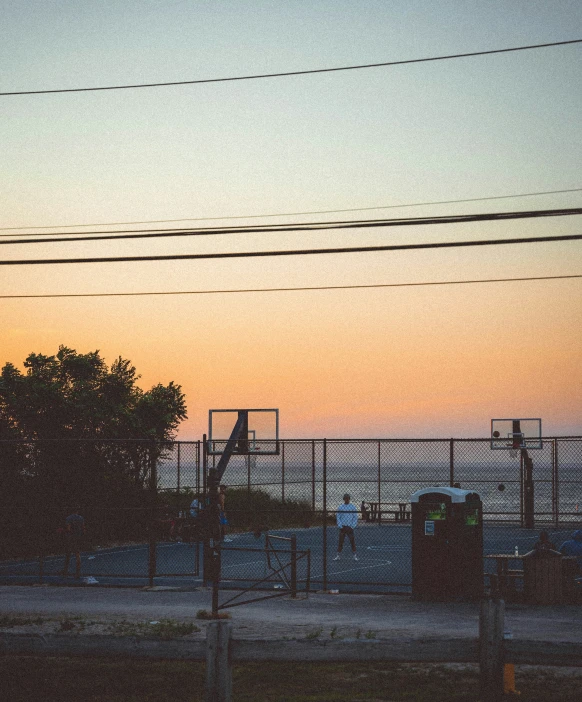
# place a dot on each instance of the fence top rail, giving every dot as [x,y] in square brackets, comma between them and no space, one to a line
[100,440]
[171,442]
[485,439]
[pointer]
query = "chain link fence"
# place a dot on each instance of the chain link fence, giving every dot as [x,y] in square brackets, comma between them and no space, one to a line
[136,499]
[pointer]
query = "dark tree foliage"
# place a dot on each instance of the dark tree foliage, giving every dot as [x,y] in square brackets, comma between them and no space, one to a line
[80,433]
[76,396]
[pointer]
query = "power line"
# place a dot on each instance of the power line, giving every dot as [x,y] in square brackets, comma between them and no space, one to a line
[297,289]
[285,214]
[294,252]
[294,73]
[299,227]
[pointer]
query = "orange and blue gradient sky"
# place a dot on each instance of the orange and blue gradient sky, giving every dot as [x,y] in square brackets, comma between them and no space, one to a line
[387,362]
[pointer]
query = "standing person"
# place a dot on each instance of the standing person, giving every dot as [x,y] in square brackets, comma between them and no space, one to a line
[223,519]
[74,532]
[190,528]
[347,521]
[195,507]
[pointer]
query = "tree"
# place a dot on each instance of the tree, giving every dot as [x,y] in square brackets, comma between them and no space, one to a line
[75,396]
[67,416]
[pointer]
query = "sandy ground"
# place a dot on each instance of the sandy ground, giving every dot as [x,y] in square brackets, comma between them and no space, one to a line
[95,610]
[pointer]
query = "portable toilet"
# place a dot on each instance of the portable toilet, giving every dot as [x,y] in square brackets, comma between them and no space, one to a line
[447,544]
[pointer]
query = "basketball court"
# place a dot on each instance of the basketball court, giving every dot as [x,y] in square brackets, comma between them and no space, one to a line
[384,562]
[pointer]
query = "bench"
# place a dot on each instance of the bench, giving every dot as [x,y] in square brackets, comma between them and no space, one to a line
[381,511]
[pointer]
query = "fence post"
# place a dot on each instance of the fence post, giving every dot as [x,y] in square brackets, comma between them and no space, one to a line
[178,476]
[204,465]
[324,514]
[528,491]
[452,462]
[153,514]
[379,483]
[555,479]
[248,461]
[283,472]
[491,649]
[313,476]
[218,662]
[293,566]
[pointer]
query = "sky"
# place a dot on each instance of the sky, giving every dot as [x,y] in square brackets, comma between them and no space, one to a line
[426,361]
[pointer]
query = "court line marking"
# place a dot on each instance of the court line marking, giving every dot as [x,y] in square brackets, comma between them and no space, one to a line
[351,570]
[93,554]
[236,565]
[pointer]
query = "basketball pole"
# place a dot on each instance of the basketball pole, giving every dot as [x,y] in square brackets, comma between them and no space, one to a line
[212,539]
[527,476]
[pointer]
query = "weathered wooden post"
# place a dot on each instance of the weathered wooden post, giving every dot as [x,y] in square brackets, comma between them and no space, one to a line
[491,649]
[218,662]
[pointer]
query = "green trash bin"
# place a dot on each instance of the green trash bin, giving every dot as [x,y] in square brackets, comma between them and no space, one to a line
[447,544]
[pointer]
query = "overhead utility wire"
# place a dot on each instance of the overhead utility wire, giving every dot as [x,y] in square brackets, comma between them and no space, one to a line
[298,289]
[300,226]
[294,73]
[294,252]
[281,214]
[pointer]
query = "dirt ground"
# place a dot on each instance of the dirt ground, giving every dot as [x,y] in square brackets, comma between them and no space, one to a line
[43,609]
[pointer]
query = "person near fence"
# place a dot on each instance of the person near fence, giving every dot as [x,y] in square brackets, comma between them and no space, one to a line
[347,521]
[74,533]
[223,519]
[543,547]
[188,527]
[167,523]
[195,507]
[573,547]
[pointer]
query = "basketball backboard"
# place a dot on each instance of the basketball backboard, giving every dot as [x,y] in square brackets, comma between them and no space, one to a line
[515,434]
[260,431]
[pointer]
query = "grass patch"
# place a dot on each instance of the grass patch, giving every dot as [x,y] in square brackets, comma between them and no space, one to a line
[164,629]
[315,634]
[7,622]
[64,679]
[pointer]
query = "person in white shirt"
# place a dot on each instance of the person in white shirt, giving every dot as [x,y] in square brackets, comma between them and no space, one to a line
[195,507]
[347,521]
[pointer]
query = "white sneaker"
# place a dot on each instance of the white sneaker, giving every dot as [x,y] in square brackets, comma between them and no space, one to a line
[337,557]
[227,541]
[356,557]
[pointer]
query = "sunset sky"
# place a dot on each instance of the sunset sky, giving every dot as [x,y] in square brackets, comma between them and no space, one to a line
[432,361]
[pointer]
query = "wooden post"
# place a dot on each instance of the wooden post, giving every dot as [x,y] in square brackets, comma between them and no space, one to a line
[491,649]
[218,662]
